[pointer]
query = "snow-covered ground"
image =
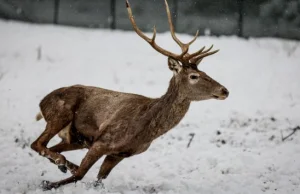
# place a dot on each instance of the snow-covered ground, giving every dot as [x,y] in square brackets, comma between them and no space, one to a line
[237,147]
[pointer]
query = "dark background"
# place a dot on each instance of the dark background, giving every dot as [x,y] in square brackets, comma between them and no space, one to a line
[245,18]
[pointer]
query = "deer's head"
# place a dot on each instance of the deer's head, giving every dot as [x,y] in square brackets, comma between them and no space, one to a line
[194,84]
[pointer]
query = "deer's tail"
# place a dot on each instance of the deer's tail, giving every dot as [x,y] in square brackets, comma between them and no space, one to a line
[39,116]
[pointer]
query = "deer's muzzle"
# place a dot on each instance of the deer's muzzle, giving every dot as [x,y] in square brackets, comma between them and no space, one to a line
[221,94]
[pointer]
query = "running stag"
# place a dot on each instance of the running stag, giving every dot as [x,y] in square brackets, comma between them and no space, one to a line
[121,125]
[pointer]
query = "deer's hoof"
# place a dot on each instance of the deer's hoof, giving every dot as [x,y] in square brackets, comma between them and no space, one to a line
[98,184]
[63,168]
[47,185]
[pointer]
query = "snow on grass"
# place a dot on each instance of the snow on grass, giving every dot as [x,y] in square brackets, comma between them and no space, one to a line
[237,145]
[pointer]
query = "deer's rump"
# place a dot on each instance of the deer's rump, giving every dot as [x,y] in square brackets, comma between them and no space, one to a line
[61,104]
[58,109]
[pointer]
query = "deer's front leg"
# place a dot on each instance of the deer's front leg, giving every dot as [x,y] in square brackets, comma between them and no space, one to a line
[108,164]
[89,160]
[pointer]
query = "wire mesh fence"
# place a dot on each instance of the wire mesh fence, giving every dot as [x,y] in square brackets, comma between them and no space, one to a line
[245,18]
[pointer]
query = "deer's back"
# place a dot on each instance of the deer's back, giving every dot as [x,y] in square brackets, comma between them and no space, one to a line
[87,99]
[91,109]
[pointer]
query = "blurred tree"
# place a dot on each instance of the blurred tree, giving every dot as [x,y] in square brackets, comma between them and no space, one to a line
[281,11]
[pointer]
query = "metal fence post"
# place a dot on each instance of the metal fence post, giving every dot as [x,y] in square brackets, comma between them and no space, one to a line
[112,14]
[175,13]
[240,32]
[56,11]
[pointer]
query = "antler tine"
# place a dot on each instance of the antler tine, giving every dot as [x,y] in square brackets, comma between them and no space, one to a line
[150,41]
[208,49]
[203,55]
[200,52]
[154,33]
[184,47]
[195,38]
[172,27]
[196,53]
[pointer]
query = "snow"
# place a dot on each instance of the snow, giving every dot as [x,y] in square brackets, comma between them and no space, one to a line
[237,147]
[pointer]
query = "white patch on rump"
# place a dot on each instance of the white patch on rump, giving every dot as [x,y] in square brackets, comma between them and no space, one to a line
[65,133]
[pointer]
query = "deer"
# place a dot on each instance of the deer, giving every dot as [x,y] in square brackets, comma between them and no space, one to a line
[119,125]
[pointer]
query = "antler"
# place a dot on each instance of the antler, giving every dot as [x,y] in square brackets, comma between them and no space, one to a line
[184,57]
[184,47]
[151,41]
[199,55]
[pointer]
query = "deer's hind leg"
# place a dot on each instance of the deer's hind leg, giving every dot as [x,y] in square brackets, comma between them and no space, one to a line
[70,140]
[53,127]
[63,147]
[94,153]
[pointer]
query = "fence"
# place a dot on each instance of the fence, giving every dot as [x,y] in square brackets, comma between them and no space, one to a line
[257,18]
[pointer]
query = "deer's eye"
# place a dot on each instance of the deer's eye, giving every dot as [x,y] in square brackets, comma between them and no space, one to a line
[194,77]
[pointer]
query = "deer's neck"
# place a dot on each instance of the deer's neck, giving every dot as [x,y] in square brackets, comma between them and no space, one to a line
[167,111]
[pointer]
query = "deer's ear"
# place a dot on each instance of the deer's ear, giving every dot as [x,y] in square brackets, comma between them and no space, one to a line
[174,65]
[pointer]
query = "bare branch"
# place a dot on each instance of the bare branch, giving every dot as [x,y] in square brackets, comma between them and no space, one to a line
[294,131]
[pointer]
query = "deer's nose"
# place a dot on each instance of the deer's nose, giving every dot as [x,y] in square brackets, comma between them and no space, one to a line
[224,92]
